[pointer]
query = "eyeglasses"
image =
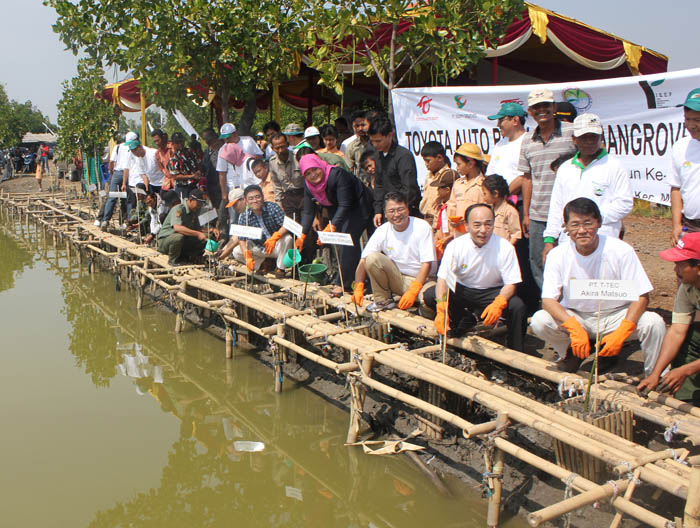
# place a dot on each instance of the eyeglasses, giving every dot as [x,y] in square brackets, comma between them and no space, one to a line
[587,225]
[396,210]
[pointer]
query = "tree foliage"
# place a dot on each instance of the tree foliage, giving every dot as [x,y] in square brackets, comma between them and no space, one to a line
[16,119]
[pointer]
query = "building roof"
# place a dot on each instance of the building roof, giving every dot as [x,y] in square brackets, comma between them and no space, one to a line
[31,137]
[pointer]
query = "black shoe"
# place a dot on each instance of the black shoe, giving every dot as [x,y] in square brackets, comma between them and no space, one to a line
[570,363]
[465,324]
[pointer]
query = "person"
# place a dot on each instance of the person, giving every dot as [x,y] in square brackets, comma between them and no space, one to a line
[262,142]
[164,151]
[210,158]
[270,129]
[549,140]
[158,210]
[286,178]
[330,139]
[349,206]
[312,136]
[505,154]
[684,176]
[261,169]
[275,240]
[396,169]
[441,225]
[140,217]
[468,189]
[39,168]
[368,166]
[180,236]
[356,147]
[183,166]
[294,134]
[304,148]
[44,156]
[142,168]
[435,159]
[506,219]
[591,173]
[565,111]
[677,369]
[118,163]
[196,147]
[236,199]
[232,171]
[229,134]
[398,258]
[486,273]
[342,130]
[567,324]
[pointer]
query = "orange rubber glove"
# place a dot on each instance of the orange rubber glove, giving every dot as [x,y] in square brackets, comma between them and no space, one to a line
[299,244]
[580,345]
[442,319]
[249,260]
[493,311]
[408,298]
[270,242]
[614,340]
[439,248]
[328,229]
[461,226]
[358,293]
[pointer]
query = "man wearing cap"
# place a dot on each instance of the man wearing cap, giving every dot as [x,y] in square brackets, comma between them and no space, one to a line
[286,177]
[591,173]
[118,163]
[505,154]
[294,134]
[183,166]
[180,236]
[567,324]
[565,111]
[680,350]
[550,140]
[684,176]
[229,134]
[142,168]
[236,199]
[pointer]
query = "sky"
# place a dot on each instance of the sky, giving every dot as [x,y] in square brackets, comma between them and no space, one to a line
[34,63]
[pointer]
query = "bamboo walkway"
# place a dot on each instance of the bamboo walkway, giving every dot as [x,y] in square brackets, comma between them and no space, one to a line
[275,313]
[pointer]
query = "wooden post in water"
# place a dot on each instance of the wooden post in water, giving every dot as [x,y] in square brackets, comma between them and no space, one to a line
[494,508]
[180,315]
[691,515]
[229,341]
[277,359]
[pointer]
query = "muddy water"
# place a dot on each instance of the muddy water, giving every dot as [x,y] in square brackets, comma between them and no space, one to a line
[110,419]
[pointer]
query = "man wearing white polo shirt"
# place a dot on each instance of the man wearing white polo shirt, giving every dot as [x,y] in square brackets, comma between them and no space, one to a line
[567,323]
[684,176]
[487,272]
[398,258]
[142,168]
[505,154]
[118,163]
[591,173]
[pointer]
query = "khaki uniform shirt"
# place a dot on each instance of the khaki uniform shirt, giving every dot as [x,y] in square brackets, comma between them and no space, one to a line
[507,222]
[285,176]
[268,190]
[354,153]
[430,204]
[178,215]
[465,193]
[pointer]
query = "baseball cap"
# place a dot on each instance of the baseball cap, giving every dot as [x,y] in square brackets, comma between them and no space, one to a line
[541,95]
[445,179]
[311,132]
[303,144]
[234,195]
[587,124]
[692,102]
[508,109]
[227,129]
[197,194]
[130,136]
[292,129]
[132,144]
[688,247]
[566,111]
[259,135]
[470,150]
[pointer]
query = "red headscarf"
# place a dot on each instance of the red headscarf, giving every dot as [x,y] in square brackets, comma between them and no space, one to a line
[311,161]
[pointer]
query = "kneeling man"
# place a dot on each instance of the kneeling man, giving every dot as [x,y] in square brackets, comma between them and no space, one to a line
[487,272]
[275,241]
[398,258]
[564,322]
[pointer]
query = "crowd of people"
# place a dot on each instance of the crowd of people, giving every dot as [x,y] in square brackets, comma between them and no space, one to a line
[490,238]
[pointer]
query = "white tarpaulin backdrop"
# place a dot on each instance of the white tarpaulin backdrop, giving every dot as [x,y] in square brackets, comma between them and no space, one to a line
[639,116]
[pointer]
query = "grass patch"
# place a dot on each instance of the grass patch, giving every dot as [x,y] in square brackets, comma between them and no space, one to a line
[651,210]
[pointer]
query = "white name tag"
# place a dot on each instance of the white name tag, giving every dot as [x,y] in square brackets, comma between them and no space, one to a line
[114,194]
[451,280]
[92,187]
[609,290]
[292,226]
[444,224]
[340,239]
[207,217]
[246,231]
[103,193]
[293,493]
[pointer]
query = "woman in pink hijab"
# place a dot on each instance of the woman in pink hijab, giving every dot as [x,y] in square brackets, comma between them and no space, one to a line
[349,206]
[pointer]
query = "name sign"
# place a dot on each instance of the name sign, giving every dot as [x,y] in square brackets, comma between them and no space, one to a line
[608,290]
[292,226]
[207,217]
[339,239]
[103,193]
[246,231]
[92,187]
[114,194]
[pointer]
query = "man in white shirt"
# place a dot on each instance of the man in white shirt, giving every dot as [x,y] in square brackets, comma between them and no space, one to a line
[229,134]
[485,270]
[591,173]
[142,168]
[564,322]
[684,176]
[505,154]
[118,163]
[398,258]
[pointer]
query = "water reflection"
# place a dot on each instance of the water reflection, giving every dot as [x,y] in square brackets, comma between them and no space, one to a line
[16,258]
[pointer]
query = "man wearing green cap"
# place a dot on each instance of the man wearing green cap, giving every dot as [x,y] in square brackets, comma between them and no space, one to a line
[505,154]
[684,176]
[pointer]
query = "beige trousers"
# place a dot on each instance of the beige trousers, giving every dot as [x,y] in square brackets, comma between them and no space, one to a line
[387,280]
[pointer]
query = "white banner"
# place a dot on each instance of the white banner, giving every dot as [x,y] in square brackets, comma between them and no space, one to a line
[640,119]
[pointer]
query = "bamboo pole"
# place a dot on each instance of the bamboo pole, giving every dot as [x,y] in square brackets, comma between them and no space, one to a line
[628,495]
[277,358]
[691,514]
[494,507]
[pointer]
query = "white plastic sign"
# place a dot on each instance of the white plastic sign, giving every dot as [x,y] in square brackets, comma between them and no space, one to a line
[609,290]
[293,493]
[292,226]
[246,231]
[92,187]
[340,239]
[207,217]
[114,194]
[451,280]
[103,193]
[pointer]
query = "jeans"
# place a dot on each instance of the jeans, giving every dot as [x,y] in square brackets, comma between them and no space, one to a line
[115,185]
[536,248]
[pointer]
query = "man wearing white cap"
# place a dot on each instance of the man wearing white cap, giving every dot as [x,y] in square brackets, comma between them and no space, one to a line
[229,134]
[142,168]
[549,141]
[313,137]
[591,173]
[118,163]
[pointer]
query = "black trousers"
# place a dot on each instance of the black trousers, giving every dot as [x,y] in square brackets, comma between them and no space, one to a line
[470,302]
[349,256]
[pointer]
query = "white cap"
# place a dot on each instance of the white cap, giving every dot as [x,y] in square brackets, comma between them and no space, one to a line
[130,136]
[226,130]
[311,131]
[587,124]
[541,95]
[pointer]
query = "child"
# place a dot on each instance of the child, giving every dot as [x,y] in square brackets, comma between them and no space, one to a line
[507,221]
[441,225]
[368,164]
[435,159]
[467,189]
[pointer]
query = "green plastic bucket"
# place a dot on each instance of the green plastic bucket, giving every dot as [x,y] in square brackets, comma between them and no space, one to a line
[312,272]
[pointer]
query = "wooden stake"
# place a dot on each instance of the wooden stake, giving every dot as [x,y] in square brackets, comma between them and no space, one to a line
[691,515]
[628,495]
[494,508]
[229,342]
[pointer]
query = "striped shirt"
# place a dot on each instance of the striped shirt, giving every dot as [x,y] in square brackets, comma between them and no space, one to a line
[536,157]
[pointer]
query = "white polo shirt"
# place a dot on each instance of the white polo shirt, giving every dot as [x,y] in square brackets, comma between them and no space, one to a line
[613,259]
[240,176]
[685,174]
[604,180]
[120,157]
[505,156]
[408,248]
[346,143]
[494,264]
[145,165]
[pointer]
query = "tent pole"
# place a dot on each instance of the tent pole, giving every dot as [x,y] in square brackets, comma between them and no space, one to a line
[310,97]
[494,71]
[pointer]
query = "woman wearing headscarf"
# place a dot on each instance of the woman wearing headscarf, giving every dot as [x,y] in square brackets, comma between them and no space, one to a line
[349,206]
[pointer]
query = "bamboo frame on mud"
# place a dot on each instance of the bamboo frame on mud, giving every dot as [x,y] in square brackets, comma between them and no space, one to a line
[362,351]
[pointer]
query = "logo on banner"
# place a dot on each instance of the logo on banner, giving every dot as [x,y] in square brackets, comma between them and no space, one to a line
[460,101]
[515,100]
[656,98]
[580,99]
[424,104]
